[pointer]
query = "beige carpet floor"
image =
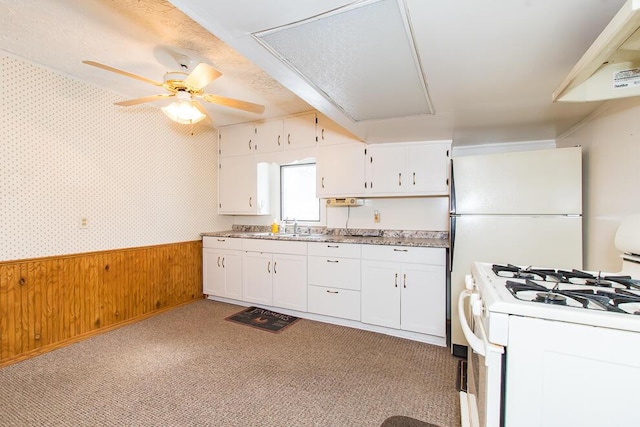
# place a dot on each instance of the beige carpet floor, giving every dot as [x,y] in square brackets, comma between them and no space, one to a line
[190,367]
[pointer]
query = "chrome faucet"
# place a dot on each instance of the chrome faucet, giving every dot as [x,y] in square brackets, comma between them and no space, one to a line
[295,226]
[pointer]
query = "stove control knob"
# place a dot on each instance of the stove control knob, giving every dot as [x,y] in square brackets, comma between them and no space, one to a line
[468,282]
[477,306]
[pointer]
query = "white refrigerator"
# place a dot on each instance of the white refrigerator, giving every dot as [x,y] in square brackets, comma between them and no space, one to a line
[521,208]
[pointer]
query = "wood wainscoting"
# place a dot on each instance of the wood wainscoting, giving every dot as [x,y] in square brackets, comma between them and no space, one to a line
[50,302]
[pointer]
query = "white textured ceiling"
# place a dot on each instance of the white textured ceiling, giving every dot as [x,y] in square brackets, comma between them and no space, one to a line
[491,65]
[138,36]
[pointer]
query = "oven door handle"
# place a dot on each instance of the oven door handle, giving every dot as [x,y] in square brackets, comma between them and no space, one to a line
[479,344]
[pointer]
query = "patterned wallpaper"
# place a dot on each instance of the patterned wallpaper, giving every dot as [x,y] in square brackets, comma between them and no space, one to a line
[67,153]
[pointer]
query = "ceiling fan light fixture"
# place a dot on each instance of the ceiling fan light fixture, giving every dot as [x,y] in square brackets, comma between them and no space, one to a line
[183,112]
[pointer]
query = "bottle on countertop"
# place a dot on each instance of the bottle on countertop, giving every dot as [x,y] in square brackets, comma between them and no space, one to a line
[275,227]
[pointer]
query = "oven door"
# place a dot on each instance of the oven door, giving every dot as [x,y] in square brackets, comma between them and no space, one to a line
[482,404]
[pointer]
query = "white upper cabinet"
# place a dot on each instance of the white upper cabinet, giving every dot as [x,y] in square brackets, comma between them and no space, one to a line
[269,138]
[236,140]
[407,169]
[329,133]
[243,186]
[300,131]
[340,170]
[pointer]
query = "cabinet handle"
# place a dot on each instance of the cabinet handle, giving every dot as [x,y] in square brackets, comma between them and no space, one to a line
[274,268]
[414,178]
[404,280]
[322,134]
[401,250]
[223,263]
[400,179]
[289,138]
[396,280]
[269,267]
[333,246]
[322,184]
[250,202]
[221,240]
[218,261]
[335,261]
[249,145]
[278,140]
[331,292]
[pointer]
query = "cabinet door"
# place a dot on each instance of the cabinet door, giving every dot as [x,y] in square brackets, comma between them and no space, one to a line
[256,279]
[300,131]
[423,299]
[269,137]
[428,169]
[236,140]
[380,295]
[290,281]
[232,266]
[340,171]
[329,133]
[212,272]
[236,184]
[386,165]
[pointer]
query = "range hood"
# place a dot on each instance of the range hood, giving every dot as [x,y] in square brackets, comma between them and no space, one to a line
[611,66]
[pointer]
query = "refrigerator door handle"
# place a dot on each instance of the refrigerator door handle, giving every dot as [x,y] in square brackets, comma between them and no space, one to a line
[452,189]
[452,239]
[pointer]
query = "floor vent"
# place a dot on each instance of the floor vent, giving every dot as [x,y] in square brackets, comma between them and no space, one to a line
[461,377]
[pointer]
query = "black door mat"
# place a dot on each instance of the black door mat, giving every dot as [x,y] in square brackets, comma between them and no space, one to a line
[261,318]
[401,421]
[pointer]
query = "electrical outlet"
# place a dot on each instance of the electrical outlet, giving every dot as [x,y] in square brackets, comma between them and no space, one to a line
[376,216]
[84,222]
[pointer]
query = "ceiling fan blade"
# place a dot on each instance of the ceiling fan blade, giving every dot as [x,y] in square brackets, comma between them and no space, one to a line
[234,103]
[203,111]
[124,73]
[201,76]
[137,101]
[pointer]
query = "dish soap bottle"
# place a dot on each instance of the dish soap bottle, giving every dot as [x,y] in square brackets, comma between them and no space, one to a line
[275,227]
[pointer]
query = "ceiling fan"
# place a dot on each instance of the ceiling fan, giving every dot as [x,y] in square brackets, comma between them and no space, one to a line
[185,88]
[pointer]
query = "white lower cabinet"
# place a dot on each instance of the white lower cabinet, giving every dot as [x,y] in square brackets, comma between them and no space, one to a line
[275,273]
[222,267]
[334,280]
[404,288]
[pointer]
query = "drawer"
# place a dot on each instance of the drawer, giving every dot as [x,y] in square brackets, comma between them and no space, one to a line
[434,256]
[334,302]
[274,246]
[221,242]
[334,272]
[344,250]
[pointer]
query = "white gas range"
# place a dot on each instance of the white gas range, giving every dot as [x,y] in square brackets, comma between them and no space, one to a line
[553,347]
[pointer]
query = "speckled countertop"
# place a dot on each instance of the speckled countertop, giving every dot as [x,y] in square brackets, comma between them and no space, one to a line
[429,239]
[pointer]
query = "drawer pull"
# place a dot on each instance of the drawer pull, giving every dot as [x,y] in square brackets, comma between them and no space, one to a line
[333,260]
[331,292]
[401,250]
[221,240]
[333,246]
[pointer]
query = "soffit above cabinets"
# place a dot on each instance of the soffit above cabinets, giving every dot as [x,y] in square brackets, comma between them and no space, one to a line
[362,57]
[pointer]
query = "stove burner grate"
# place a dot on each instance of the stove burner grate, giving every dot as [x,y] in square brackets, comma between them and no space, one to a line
[550,298]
